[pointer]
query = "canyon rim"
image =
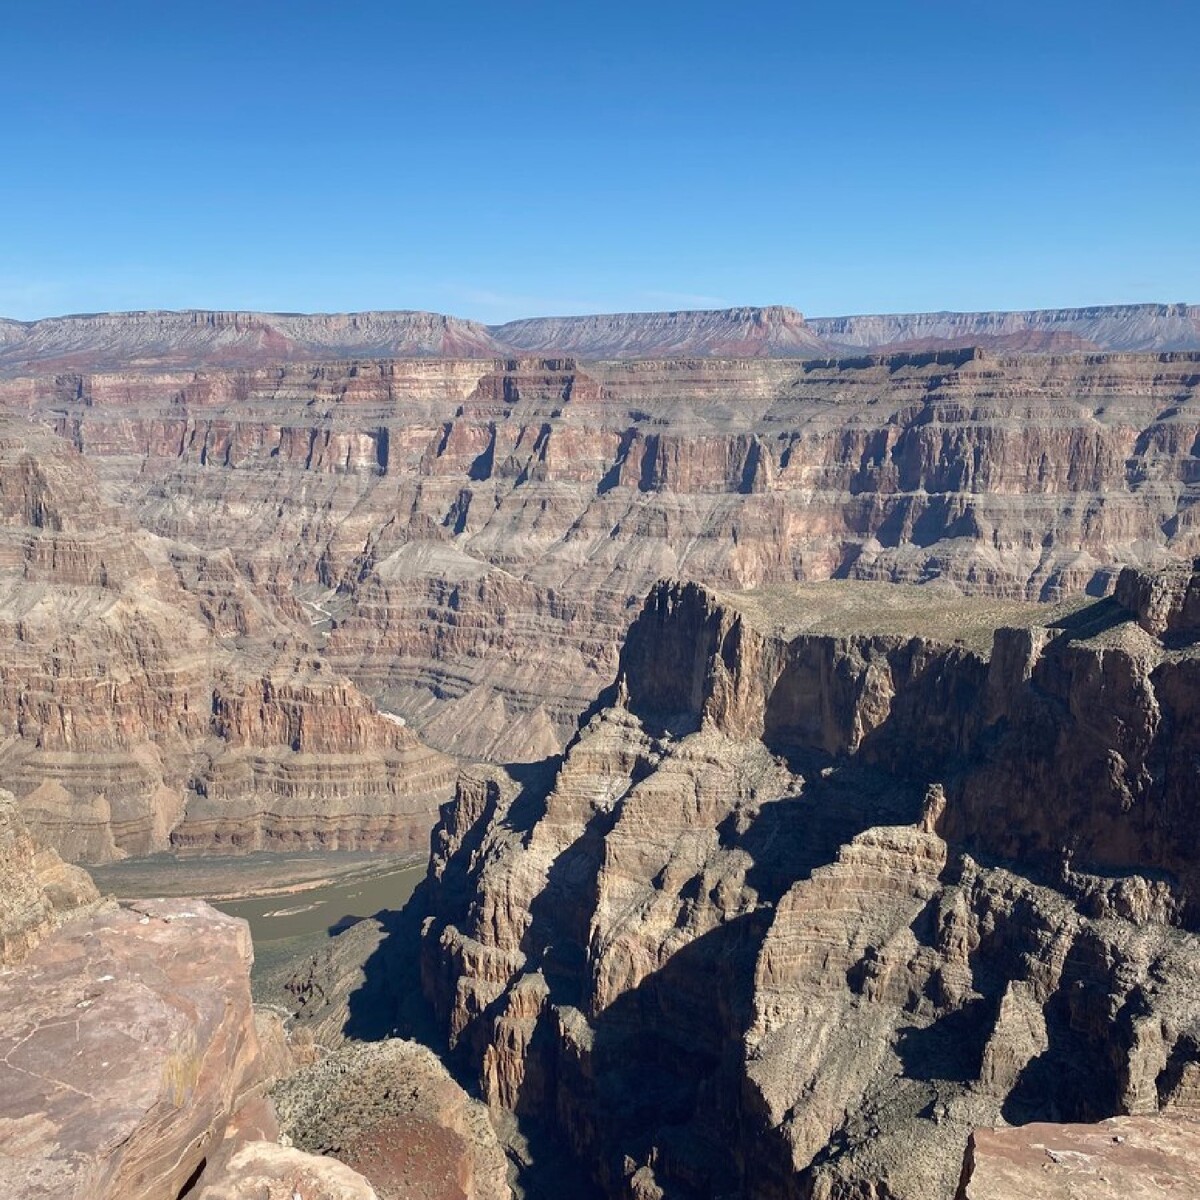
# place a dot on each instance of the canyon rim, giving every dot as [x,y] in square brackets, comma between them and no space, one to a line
[801,713]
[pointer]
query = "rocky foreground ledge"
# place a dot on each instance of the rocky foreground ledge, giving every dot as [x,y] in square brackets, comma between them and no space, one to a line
[133,1065]
[128,1043]
[1125,1158]
[130,1067]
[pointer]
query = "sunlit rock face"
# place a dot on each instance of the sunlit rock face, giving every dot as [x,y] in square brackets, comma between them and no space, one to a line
[128,1044]
[131,1065]
[150,700]
[214,339]
[467,540]
[1120,1159]
[837,875]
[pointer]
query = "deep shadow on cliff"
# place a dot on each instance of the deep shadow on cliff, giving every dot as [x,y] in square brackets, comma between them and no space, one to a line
[390,1002]
[797,912]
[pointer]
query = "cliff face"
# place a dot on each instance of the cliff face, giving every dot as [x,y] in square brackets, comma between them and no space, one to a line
[468,540]
[38,891]
[815,896]
[772,332]
[131,1065]
[96,341]
[149,700]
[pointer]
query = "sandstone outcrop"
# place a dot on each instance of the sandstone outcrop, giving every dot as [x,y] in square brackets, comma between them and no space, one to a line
[133,1065]
[815,895]
[37,889]
[467,540]
[150,700]
[128,1042]
[1125,1158]
[268,1171]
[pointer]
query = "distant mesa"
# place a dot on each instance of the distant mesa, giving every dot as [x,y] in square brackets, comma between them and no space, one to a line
[200,338]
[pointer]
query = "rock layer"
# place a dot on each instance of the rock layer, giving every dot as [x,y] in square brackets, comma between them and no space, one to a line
[467,540]
[223,339]
[268,1171]
[128,1042]
[37,889]
[149,700]
[1126,1158]
[805,904]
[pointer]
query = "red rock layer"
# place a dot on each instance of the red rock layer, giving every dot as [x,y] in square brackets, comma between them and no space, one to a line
[467,540]
[150,701]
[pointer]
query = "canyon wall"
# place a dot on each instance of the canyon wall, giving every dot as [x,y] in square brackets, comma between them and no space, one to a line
[815,894]
[1101,327]
[467,540]
[150,701]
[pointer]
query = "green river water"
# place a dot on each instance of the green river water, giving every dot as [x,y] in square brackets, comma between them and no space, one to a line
[324,893]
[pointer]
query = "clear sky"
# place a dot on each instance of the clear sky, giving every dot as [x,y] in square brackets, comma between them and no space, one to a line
[500,159]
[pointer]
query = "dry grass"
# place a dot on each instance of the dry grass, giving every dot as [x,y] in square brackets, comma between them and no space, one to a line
[843,607]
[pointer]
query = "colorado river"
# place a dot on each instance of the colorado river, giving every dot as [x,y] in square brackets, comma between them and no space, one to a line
[292,903]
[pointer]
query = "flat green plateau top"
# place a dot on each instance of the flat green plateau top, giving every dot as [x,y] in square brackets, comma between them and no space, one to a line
[937,611]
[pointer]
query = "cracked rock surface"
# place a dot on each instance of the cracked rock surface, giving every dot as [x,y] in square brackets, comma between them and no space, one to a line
[126,1041]
[1126,1158]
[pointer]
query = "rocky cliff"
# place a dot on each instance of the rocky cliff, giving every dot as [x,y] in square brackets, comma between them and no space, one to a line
[39,890]
[133,1065]
[126,1037]
[814,894]
[468,540]
[1125,1158]
[1112,327]
[772,332]
[149,700]
[98,341]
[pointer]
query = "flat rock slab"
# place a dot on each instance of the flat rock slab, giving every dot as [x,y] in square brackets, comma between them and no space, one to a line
[1125,1158]
[266,1171]
[126,1039]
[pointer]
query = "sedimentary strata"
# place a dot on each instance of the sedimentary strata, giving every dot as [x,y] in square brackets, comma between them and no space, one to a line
[227,339]
[38,890]
[467,540]
[814,894]
[149,700]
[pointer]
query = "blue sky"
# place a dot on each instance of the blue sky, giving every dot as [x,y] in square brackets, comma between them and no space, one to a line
[503,159]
